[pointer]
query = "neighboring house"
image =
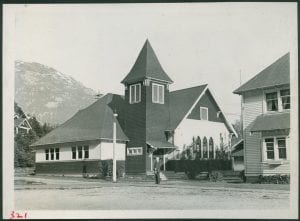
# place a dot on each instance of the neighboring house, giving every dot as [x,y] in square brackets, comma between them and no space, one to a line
[151,122]
[266,120]
[21,124]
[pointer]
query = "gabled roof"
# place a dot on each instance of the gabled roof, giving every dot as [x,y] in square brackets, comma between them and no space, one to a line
[180,103]
[276,74]
[92,123]
[18,122]
[267,122]
[146,66]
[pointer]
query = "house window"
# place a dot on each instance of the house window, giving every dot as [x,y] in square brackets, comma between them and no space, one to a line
[270,148]
[133,151]
[281,143]
[158,93]
[272,101]
[52,153]
[211,148]
[285,99]
[203,113]
[57,153]
[135,93]
[205,150]
[47,154]
[86,152]
[73,152]
[79,148]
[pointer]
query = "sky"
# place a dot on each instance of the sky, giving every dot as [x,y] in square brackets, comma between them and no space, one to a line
[221,44]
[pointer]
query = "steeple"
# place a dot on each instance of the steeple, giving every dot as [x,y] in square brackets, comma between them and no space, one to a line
[146,66]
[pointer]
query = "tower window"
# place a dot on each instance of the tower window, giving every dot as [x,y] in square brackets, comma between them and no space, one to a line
[158,93]
[135,93]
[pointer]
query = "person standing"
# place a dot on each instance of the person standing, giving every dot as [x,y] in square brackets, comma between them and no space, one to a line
[157,170]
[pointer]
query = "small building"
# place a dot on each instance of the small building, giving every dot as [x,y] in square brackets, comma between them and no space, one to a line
[152,122]
[21,124]
[237,156]
[266,120]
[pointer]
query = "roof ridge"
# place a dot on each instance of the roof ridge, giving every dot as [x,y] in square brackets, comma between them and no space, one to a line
[261,72]
[189,88]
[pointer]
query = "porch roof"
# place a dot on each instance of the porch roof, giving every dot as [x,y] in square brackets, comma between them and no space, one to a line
[267,122]
[160,144]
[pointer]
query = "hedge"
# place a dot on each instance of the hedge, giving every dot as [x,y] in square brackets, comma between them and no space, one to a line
[194,167]
[275,179]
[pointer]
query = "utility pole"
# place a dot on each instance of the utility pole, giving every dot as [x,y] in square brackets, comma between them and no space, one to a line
[114,149]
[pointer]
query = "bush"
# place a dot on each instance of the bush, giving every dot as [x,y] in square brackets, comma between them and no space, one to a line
[215,176]
[275,179]
[106,168]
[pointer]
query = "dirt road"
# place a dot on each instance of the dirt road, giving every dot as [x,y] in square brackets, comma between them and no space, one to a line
[77,194]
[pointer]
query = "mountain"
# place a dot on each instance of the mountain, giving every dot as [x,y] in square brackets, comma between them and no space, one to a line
[48,94]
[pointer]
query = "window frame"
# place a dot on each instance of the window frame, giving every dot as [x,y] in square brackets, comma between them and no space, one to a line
[74,150]
[80,152]
[279,100]
[135,93]
[86,151]
[56,150]
[134,151]
[47,151]
[203,108]
[158,101]
[285,96]
[52,154]
[275,148]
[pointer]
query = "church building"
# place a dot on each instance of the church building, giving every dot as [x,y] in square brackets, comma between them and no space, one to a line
[151,121]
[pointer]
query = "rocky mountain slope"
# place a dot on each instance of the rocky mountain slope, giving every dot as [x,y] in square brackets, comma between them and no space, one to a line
[48,94]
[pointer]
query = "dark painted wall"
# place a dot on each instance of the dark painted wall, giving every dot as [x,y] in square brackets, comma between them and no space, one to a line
[157,115]
[207,101]
[70,167]
[135,129]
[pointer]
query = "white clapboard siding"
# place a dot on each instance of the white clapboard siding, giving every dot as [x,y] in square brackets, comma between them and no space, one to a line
[252,107]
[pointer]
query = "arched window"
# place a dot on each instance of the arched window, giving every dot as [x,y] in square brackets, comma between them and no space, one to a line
[205,149]
[194,145]
[211,148]
[198,146]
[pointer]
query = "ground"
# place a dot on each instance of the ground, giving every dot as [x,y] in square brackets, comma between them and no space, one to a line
[56,193]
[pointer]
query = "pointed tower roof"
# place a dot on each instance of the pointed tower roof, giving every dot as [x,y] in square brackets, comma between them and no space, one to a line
[146,66]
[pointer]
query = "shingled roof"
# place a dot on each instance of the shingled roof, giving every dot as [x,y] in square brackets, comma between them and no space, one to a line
[180,103]
[92,123]
[146,66]
[267,122]
[276,74]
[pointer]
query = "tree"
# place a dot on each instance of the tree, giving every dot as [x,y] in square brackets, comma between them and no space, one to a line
[24,153]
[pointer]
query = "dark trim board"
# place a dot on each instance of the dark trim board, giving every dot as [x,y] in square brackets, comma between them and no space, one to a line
[73,167]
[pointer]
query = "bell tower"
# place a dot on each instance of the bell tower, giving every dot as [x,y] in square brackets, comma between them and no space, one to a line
[146,105]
